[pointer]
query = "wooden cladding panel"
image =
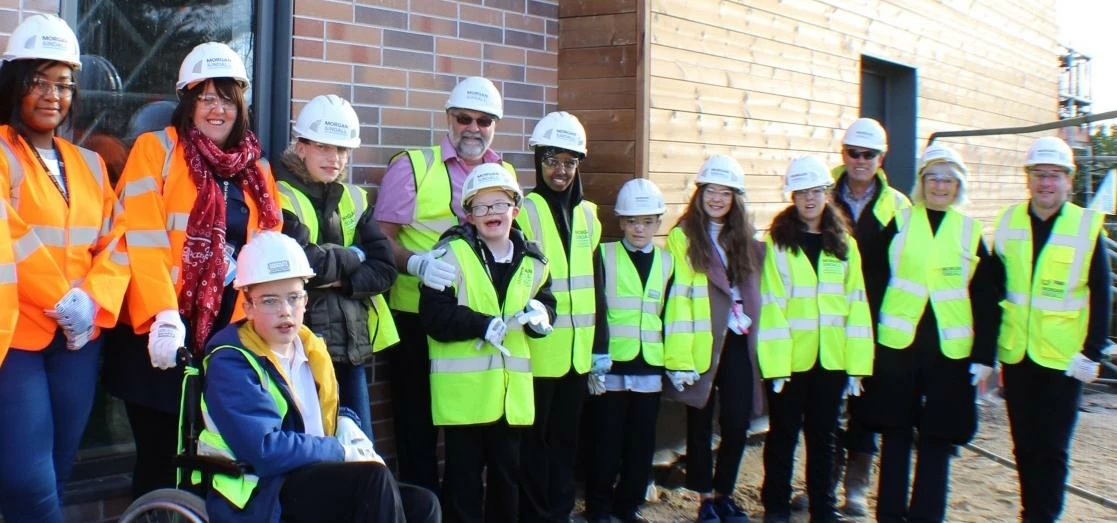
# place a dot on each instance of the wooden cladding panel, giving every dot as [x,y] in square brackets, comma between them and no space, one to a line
[573,8]
[598,62]
[597,31]
[596,93]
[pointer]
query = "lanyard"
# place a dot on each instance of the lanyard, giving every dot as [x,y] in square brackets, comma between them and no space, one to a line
[60,180]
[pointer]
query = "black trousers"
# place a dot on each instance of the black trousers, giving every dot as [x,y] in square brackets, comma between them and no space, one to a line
[156,436]
[857,437]
[932,476]
[475,449]
[733,384]
[809,402]
[1042,410]
[549,449]
[357,492]
[623,441]
[409,377]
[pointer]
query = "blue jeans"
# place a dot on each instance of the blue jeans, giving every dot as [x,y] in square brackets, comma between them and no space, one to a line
[352,385]
[45,400]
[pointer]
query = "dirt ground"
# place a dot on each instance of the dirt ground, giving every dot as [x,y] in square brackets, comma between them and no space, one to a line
[982,490]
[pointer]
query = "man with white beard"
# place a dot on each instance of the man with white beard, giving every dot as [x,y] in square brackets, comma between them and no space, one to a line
[418,200]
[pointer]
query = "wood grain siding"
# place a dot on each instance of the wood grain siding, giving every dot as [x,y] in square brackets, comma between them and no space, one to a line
[601,63]
[766,81]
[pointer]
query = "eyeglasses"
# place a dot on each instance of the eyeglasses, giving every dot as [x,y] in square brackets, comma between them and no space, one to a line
[485,210]
[271,304]
[213,101]
[719,194]
[327,149]
[864,155]
[1046,176]
[816,192]
[465,120]
[46,87]
[646,222]
[570,165]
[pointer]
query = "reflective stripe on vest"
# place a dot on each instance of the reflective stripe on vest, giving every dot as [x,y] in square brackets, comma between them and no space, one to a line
[935,267]
[1046,308]
[472,382]
[691,289]
[635,309]
[381,326]
[572,283]
[236,489]
[434,214]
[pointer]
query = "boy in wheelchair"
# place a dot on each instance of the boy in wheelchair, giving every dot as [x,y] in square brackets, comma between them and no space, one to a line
[270,402]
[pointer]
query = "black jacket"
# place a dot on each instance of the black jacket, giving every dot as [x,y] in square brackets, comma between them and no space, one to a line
[441,316]
[340,290]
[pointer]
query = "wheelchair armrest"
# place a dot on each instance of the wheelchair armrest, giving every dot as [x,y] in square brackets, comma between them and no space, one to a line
[212,465]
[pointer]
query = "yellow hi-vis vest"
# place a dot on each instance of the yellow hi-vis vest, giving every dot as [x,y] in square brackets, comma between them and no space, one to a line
[931,266]
[807,316]
[888,202]
[471,382]
[236,489]
[434,214]
[571,341]
[692,290]
[637,312]
[1046,310]
[382,331]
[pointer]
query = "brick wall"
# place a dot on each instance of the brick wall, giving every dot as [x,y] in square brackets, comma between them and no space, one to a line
[396,61]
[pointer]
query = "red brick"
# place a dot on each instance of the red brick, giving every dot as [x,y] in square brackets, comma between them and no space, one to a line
[458,66]
[427,100]
[536,75]
[392,4]
[531,24]
[457,47]
[308,27]
[495,71]
[545,59]
[399,117]
[504,53]
[551,96]
[509,142]
[408,40]
[354,33]
[552,44]
[435,7]
[408,59]
[431,81]
[302,47]
[319,70]
[42,6]
[433,26]
[481,15]
[326,9]
[358,54]
[508,5]
[305,89]
[382,76]
[514,125]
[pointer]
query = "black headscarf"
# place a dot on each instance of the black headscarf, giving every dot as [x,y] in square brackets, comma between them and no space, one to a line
[562,204]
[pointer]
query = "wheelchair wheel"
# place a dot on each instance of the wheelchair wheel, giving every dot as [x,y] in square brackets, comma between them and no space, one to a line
[166,505]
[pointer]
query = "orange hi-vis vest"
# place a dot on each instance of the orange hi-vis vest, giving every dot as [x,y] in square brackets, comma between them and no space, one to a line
[8,291]
[59,245]
[158,193]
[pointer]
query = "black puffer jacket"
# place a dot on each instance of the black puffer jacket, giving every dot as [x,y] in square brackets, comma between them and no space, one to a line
[341,289]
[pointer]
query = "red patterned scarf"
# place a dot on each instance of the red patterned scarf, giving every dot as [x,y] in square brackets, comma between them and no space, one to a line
[203,259]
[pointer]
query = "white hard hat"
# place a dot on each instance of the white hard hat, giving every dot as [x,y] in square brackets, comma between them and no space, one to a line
[867,133]
[44,37]
[941,154]
[639,197]
[722,170]
[211,60]
[559,129]
[329,119]
[806,172]
[477,94]
[270,256]
[490,176]
[1050,150]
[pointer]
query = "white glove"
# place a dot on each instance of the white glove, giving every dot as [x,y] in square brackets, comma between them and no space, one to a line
[535,316]
[854,387]
[980,373]
[778,384]
[166,336]
[74,313]
[434,273]
[739,322]
[495,336]
[680,379]
[1083,369]
[356,444]
[602,364]
[596,383]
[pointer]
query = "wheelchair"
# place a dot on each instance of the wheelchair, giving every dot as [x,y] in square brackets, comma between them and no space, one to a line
[187,503]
